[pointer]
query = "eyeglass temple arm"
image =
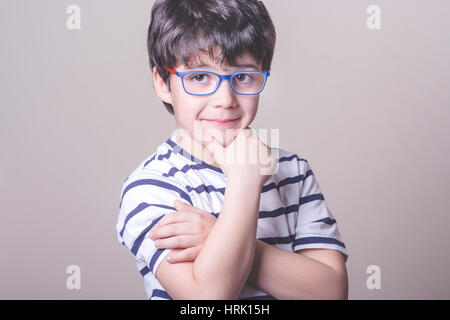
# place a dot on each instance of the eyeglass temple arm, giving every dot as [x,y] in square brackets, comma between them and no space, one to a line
[170,70]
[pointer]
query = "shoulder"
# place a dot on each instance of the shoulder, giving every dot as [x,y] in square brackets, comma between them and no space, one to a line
[159,162]
[158,165]
[289,164]
[155,174]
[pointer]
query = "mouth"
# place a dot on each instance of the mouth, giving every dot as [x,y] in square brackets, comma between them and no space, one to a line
[222,122]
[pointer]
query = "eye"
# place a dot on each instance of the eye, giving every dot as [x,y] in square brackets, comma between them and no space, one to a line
[243,77]
[199,77]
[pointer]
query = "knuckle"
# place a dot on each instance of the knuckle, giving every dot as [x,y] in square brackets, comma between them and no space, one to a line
[161,244]
[190,215]
[190,255]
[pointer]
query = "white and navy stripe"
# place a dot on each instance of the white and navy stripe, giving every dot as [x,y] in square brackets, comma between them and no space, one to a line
[293,214]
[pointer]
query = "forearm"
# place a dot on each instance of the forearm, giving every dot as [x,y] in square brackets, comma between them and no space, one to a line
[225,260]
[288,275]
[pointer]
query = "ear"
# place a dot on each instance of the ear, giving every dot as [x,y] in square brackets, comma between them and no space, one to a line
[161,88]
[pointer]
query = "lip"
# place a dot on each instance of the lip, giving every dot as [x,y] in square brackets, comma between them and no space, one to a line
[222,123]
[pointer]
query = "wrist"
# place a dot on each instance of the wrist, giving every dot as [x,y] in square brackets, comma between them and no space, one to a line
[247,183]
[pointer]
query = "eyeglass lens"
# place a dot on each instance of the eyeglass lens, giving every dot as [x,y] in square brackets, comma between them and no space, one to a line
[205,83]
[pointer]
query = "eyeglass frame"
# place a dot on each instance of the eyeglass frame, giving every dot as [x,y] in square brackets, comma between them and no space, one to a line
[221,78]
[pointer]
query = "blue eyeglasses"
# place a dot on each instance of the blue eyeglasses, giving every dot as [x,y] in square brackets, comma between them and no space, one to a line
[202,83]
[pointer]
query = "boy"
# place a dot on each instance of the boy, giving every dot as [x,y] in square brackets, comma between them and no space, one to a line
[203,227]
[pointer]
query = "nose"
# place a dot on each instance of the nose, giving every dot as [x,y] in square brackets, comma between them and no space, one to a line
[224,96]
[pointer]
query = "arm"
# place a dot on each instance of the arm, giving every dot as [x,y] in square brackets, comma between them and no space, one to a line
[304,274]
[177,228]
[226,257]
[225,260]
[318,264]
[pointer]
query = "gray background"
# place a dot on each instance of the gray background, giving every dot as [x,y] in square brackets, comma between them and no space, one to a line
[369,109]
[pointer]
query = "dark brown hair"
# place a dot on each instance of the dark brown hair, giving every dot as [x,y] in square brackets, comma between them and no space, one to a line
[181,29]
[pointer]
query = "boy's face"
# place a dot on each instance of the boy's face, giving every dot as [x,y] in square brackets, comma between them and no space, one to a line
[194,112]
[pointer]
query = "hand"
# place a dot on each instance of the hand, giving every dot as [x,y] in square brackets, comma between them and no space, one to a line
[187,228]
[245,158]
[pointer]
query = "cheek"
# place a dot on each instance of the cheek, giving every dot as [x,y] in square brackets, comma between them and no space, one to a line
[187,112]
[184,105]
[249,106]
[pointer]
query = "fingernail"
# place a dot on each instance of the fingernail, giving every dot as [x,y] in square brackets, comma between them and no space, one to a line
[151,234]
[156,243]
[169,258]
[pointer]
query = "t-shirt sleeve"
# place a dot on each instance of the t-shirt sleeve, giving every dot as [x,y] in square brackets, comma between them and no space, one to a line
[315,225]
[145,199]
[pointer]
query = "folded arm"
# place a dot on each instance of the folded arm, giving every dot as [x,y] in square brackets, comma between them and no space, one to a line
[304,274]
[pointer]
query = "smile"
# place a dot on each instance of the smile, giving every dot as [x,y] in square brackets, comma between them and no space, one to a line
[222,123]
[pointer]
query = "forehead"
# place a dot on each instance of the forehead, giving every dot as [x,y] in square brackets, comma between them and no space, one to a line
[204,61]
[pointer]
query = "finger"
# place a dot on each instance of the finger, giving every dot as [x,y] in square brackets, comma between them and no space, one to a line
[176,242]
[186,255]
[178,204]
[213,133]
[247,131]
[173,217]
[172,229]
[216,149]
[187,207]
[206,137]
[181,217]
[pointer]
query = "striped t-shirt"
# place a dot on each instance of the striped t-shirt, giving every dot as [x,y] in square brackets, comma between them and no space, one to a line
[293,214]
